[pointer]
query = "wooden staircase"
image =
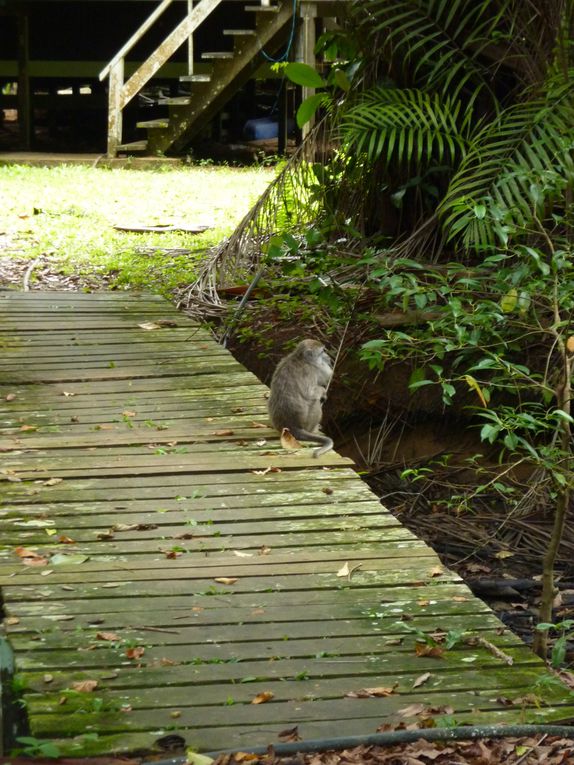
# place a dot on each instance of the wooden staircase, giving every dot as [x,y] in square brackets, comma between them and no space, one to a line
[208,92]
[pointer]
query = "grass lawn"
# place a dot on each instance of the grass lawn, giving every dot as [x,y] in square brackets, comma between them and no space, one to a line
[66,214]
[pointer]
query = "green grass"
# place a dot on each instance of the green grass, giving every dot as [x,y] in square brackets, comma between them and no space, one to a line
[68,213]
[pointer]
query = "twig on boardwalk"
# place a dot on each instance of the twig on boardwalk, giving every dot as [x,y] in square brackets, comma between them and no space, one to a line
[158,629]
[494,650]
[31,267]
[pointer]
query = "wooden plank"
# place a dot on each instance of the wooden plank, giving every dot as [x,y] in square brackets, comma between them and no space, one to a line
[180,524]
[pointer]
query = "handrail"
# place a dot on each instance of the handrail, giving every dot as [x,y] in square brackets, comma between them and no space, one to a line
[135,38]
[167,48]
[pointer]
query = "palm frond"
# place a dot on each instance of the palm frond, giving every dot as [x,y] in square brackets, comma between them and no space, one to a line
[406,125]
[525,144]
[439,41]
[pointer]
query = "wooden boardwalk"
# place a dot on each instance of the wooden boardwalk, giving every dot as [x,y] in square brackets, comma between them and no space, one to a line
[164,564]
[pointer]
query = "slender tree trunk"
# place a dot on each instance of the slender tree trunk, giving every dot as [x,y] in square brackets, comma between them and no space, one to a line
[540,642]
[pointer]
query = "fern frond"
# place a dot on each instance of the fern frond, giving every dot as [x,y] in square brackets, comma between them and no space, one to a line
[526,142]
[406,125]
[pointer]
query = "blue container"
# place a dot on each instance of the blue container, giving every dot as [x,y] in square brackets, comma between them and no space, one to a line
[263,127]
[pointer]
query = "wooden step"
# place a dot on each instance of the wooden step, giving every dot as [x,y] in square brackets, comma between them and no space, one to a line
[175,101]
[135,146]
[239,32]
[195,78]
[154,124]
[218,54]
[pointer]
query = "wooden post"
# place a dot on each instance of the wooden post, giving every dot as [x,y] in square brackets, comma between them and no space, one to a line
[283,119]
[306,48]
[24,103]
[116,83]
[190,41]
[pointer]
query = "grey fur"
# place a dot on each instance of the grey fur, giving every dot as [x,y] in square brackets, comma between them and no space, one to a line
[298,389]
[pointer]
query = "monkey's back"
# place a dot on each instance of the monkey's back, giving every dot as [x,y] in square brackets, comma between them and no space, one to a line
[290,402]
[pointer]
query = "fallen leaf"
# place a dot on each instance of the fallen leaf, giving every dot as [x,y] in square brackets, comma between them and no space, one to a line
[28,427]
[327,490]
[261,472]
[65,559]
[225,579]
[175,714]
[48,678]
[245,757]
[64,540]
[289,734]
[421,680]
[412,710]
[109,636]
[263,697]
[370,693]
[241,554]
[10,397]
[436,571]
[570,344]
[149,326]
[344,570]
[85,686]
[105,426]
[11,620]
[135,653]
[264,550]
[504,554]
[67,393]
[53,481]
[259,425]
[127,413]
[288,440]
[224,433]
[432,651]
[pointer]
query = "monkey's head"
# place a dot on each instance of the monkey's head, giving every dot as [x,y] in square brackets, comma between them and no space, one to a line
[310,349]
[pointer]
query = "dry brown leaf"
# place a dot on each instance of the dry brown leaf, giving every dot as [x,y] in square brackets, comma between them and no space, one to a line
[432,651]
[570,344]
[226,432]
[421,680]
[53,481]
[175,714]
[259,425]
[28,427]
[64,540]
[436,571]
[67,393]
[370,693]
[85,686]
[11,620]
[504,554]
[263,697]
[128,413]
[48,678]
[289,734]
[327,490]
[105,426]
[264,550]
[412,710]
[10,397]
[288,440]
[135,653]
[109,636]
[225,579]
[245,757]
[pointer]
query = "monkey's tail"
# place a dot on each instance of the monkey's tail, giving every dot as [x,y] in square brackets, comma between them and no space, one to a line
[317,438]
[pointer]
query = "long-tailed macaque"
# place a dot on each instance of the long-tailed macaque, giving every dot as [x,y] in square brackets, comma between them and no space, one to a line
[298,390]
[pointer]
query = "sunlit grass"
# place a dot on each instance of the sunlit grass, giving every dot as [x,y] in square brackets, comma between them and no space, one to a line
[69,212]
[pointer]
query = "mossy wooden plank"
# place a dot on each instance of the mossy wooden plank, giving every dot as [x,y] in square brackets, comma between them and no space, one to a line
[381,668]
[387,629]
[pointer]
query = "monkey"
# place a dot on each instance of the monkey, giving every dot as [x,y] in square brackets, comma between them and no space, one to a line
[298,390]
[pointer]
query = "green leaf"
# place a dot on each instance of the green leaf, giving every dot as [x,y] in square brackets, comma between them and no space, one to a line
[309,107]
[305,75]
[509,302]
[479,211]
[342,80]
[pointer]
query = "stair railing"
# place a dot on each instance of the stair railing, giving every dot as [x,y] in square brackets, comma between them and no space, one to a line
[120,93]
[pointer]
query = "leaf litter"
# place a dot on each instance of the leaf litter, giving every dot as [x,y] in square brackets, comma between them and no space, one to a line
[532,750]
